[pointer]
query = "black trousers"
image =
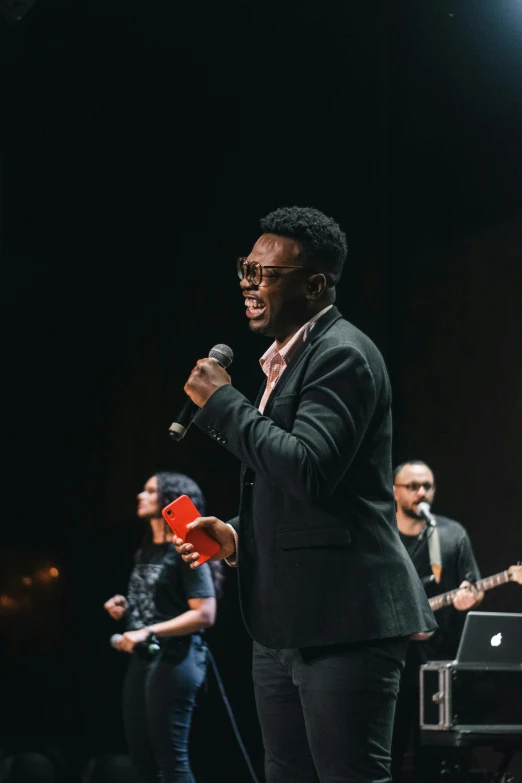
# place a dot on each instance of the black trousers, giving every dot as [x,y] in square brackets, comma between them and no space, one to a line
[425,760]
[326,713]
[159,695]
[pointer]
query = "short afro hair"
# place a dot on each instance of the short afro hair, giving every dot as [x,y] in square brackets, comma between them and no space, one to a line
[322,242]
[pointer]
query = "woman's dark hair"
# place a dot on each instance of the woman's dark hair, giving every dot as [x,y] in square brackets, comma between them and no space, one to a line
[171,486]
[322,241]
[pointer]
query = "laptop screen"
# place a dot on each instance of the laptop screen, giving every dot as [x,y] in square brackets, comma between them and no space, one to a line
[491,638]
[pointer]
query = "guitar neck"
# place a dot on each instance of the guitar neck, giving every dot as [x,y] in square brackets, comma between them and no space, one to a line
[445,599]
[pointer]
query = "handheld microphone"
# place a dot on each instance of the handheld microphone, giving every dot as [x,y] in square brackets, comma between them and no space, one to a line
[223,355]
[151,645]
[424,510]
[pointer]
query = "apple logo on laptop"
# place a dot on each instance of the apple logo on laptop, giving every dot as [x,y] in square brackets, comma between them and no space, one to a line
[496,640]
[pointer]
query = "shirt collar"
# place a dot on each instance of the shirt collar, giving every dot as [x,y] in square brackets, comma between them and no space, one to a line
[299,337]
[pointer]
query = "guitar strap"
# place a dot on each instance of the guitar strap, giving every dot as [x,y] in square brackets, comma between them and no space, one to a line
[434,550]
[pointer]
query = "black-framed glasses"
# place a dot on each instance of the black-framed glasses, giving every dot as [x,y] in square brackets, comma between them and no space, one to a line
[414,486]
[254,272]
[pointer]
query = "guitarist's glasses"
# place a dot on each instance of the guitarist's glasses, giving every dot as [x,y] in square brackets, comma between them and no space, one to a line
[414,486]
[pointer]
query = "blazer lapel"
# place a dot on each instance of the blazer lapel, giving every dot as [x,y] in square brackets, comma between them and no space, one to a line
[322,325]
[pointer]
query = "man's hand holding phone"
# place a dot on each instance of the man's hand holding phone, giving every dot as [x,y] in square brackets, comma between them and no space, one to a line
[197,538]
[216,529]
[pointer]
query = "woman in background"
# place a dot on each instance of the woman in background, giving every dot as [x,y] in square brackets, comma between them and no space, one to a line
[168,606]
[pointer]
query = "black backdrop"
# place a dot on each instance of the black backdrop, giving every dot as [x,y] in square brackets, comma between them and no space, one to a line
[140,146]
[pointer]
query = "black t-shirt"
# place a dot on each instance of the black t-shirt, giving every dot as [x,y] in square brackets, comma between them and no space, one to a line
[458,564]
[161,584]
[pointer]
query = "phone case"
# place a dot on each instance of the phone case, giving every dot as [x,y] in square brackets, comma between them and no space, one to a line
[177,515]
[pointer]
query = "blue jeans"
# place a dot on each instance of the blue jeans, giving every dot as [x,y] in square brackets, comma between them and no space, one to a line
[326,713]
[159,695]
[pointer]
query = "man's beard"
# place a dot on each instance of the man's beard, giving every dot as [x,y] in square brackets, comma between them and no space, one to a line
[409,512]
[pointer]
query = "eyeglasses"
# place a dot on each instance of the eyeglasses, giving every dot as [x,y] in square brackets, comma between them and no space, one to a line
[254,272]
[414,486]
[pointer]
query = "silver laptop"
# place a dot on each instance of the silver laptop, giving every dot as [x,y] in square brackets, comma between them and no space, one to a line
[491,638]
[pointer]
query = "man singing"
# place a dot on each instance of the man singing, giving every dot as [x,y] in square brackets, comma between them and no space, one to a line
[328,592]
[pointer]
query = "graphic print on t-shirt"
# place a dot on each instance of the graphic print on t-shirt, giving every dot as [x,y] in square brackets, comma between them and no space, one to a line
[141,590]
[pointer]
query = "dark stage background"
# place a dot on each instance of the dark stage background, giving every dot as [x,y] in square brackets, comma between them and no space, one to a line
[140,144]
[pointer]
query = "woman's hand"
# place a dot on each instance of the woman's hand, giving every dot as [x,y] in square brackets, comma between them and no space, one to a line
[116,606]
[219,531]
[131,638]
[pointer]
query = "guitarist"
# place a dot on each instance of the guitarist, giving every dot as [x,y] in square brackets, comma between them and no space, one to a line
[442,565]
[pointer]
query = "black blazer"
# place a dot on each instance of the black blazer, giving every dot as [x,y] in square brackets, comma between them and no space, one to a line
[320,558]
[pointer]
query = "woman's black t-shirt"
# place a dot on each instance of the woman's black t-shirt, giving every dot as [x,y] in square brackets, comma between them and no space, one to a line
[161,584]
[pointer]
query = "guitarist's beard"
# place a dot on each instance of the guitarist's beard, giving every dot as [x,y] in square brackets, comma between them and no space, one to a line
[409,512]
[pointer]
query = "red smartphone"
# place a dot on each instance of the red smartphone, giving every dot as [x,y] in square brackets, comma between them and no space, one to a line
[177,515]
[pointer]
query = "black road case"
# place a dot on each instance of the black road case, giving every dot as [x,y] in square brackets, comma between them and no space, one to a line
[479,698]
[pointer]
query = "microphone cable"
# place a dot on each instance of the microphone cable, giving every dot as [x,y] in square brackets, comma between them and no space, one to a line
[152,646]
[231,715]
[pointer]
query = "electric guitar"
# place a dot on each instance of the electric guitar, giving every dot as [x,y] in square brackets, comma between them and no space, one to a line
[512,574]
